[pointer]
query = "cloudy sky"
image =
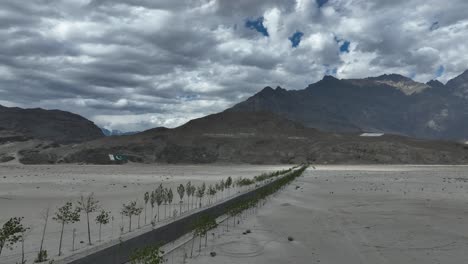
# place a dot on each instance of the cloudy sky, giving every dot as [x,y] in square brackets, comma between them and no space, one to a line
[137,64]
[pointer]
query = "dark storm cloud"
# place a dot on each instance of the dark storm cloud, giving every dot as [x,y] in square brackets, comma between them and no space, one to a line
[135,64]
[38,46]
[10,19]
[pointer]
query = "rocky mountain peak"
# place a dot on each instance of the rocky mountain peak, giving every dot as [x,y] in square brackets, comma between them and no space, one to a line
[400,82]
[459,85]
[464,74]
[268,91]
[374,104]
[462,78]
[279,89]
[329,78]
[391,77]
[265,91]
[435,84]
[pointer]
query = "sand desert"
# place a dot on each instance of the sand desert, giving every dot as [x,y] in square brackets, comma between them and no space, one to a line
[334,213]
[26,191]
[354,214]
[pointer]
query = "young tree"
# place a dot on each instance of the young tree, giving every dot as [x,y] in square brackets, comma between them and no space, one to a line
[203,189]
[165,200]
[202,226]
[188,189]
[196,232]
[215,192]
[23,237]
[137,212]
[73,239]
[232,212]
[222,184]
[228,185]
[42,255]
[66,215]
[11,232]
[129,210]
[170,198]
[201,193]
[210,223]
[102,219]
[88,204]
[159,192]
[147,197]
[112,226]
[192,191]
[152,202]
[181,192]
[198,194]
[217,188]
[211,192]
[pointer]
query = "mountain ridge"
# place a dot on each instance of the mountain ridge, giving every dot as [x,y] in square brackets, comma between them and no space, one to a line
[254,138]
[388,103]
[53,125]
[319,124]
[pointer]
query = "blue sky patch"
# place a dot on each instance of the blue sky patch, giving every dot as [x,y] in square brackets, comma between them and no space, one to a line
[440,71]
[320,3]
[345,46]
[331,71]
[296,38]
[257,24]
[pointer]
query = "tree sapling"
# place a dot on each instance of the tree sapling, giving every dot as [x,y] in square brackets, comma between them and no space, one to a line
[102,219]
[66,215]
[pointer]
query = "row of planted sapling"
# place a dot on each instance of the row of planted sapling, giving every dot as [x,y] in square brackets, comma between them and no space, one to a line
[264,178]
[206,222]
[88,206]
[12,232]
[237,209]
[154,255]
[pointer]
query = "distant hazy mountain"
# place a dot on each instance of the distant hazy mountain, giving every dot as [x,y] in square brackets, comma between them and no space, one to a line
[53,125]
[388,103]
[115,132]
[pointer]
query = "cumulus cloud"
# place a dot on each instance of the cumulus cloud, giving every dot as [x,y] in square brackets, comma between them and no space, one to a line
[138,64]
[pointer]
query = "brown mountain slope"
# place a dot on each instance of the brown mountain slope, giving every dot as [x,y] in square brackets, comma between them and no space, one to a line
[53,125]
[252,137]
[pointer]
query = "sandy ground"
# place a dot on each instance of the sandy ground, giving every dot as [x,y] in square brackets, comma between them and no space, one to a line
[27,190]
[353,214]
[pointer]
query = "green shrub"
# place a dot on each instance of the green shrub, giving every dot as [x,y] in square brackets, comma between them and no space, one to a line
[148,255]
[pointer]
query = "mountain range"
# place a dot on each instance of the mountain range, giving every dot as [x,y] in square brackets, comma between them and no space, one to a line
[249,137]
[321,124]
[389,103]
